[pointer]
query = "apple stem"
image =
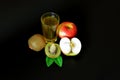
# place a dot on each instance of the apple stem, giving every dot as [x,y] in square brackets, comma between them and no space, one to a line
[67,27]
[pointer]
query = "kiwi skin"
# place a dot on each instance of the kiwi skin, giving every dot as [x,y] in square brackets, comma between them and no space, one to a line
[47,50]
[36,42]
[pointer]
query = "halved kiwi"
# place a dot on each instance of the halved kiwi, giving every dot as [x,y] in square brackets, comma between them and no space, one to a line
[52,50]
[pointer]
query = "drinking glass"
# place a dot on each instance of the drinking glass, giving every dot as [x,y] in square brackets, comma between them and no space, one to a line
[50,21]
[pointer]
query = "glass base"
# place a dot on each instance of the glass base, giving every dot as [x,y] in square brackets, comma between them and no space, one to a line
[50,40]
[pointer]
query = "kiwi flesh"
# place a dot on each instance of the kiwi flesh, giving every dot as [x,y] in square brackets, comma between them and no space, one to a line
[52,50]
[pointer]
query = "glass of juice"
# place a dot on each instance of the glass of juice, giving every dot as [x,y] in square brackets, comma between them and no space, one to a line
[50,21]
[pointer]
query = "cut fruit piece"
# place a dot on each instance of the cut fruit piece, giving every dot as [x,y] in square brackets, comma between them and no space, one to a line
[52,50]
[36,42]
[70,47]
[77,45]
[65,45]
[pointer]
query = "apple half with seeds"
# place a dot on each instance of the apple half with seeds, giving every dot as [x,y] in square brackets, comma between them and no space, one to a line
[70,47]
[52,50]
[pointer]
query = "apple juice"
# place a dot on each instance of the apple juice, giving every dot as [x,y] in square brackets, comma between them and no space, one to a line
[49,28]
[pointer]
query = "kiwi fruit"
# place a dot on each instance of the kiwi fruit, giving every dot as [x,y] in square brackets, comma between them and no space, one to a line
[36,42]
[52,50]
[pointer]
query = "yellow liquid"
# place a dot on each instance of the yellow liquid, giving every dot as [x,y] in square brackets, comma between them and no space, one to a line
[49,28]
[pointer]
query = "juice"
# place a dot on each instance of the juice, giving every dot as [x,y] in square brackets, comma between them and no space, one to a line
[49,26]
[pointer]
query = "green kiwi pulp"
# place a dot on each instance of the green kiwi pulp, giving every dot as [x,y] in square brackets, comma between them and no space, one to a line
[52,50]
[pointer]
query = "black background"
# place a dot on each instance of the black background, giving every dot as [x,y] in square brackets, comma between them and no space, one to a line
[95,20]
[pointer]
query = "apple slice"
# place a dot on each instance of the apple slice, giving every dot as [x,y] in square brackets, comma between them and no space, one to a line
[70,47]
[65,45]
[76,47]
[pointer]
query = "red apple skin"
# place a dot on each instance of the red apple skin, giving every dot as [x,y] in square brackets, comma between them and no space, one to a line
[67,29]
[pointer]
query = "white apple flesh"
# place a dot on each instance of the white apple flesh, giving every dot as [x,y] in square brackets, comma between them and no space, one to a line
[76,45]
[65,45]
[70,47]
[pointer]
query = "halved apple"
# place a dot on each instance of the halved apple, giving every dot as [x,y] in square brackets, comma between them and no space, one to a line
[70,47]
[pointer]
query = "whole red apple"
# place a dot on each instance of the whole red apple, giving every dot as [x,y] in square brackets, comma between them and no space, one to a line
[66,29]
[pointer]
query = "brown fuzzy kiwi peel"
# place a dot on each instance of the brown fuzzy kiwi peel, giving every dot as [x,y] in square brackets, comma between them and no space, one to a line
[36,42]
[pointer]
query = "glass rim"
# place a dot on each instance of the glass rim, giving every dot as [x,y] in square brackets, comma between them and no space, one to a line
[51,13]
